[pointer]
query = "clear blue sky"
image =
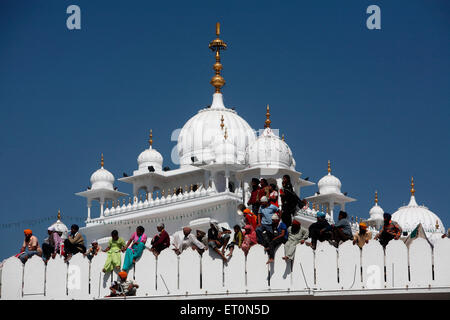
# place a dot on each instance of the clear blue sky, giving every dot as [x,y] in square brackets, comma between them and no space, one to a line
[374,102]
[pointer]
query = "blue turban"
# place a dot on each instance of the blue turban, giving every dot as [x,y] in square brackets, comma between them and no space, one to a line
[320,214]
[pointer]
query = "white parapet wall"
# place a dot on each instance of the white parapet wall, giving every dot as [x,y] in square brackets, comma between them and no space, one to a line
[327,271]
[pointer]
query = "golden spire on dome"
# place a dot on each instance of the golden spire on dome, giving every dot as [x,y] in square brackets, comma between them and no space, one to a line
[102,162]
[150,140]
[412,187]
[226,134]
[329,167]
[216,46]
[267,122]
[437,224]
[282,137]
[376,197]
[59,214]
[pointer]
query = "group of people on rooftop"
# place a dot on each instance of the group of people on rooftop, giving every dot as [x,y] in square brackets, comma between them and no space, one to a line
[266,222]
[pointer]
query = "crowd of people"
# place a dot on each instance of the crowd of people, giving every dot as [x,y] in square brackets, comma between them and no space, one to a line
[265,222]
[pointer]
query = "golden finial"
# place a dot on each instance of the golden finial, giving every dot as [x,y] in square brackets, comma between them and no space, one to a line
[329,167]
[282,137]
[101,161]
[217,45]
[221,123]
[192,187]
[267,122]
[437,224]
[59,214]
[376,197]
[174,190]
[314,206]
[113,204]
[226,134]
[150,141]
[412,187]
[123,202]
[129,200]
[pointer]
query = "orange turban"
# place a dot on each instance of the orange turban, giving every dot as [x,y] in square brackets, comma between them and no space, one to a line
[247,211]
[27,232]
[123,274]
[363,225]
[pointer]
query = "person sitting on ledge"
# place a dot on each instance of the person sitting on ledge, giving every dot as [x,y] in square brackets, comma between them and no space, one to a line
[250,218]
[74,243]
[138,240]
[123,287]
[53,246]
[390,230]
[160,241]
[200,235]
[296,234]
[237,240]
[363,236]
[249,238]
[95,248]
[218,238]
[184,240]
[273,194]
[253,201]
[341,231]
[279,236]
[115,245]
[264,231]
[32,244]
[318,230]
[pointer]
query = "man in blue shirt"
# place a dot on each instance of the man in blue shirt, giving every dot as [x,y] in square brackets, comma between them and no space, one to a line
[280,235]
[264,231]
[342,231]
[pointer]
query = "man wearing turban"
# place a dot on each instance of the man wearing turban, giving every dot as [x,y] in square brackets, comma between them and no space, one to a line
[30,243]
[363,236]
[318,230]
[390,230]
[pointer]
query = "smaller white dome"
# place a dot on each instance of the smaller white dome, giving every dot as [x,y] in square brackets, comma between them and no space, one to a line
[150,157]
[329,184]
[376,213]
[102,179]
[269,150]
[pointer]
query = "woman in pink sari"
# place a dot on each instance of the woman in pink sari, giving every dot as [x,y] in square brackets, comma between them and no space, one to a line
[249,238]
[135,251]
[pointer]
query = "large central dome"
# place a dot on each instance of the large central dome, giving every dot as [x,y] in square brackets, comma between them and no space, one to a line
[196,137]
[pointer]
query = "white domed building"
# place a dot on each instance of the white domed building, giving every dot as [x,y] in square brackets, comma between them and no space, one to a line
[409,216]
[219,155]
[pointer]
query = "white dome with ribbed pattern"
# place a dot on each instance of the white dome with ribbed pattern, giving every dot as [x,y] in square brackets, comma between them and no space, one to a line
[197,134]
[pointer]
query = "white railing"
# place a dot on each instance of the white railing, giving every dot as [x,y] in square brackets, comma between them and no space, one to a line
[326,269]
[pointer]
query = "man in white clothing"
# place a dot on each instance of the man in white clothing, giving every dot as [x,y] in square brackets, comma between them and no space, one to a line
[186,239]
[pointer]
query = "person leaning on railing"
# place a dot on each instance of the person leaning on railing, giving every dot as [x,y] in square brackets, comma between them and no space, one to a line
[390,230]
